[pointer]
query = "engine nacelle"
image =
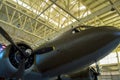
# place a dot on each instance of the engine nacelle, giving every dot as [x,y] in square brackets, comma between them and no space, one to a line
[86,74]
[11,59]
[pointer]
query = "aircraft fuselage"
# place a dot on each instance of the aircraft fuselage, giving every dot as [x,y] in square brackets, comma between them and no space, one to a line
[78,50]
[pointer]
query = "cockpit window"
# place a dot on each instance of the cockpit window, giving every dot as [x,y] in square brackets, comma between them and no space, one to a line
[75,30]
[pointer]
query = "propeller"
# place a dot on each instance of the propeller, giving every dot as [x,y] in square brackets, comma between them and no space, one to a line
[20,72]
[95,73]
[21,68]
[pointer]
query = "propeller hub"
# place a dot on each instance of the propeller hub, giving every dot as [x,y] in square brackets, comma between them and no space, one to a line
[28,52]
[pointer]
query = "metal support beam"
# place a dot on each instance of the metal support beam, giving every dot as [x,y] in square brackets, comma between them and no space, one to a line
[114,7]
[91,16]
[30,16]
[65,10]
[118,60]
[45,10]
[12,27]
[3,22]
[1,2]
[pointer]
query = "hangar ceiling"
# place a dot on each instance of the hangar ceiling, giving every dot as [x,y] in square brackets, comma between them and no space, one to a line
[37,21]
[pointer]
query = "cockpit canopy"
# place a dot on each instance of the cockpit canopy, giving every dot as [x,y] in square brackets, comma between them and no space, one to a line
[76,30]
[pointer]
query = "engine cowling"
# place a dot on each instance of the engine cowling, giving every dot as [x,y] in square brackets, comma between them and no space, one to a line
[87,74]
[15,57]
[11,59]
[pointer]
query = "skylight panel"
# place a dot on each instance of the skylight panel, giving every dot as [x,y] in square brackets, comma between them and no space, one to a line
[82,7]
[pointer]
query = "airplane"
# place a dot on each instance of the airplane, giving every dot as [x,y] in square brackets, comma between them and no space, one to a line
[69,53]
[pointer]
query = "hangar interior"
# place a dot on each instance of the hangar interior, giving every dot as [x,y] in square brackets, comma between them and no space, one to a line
[35,22]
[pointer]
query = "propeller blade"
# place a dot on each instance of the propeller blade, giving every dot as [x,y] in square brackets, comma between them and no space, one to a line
[20,73]
[97,68]
[21,70]
[7,37]
[43,50]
